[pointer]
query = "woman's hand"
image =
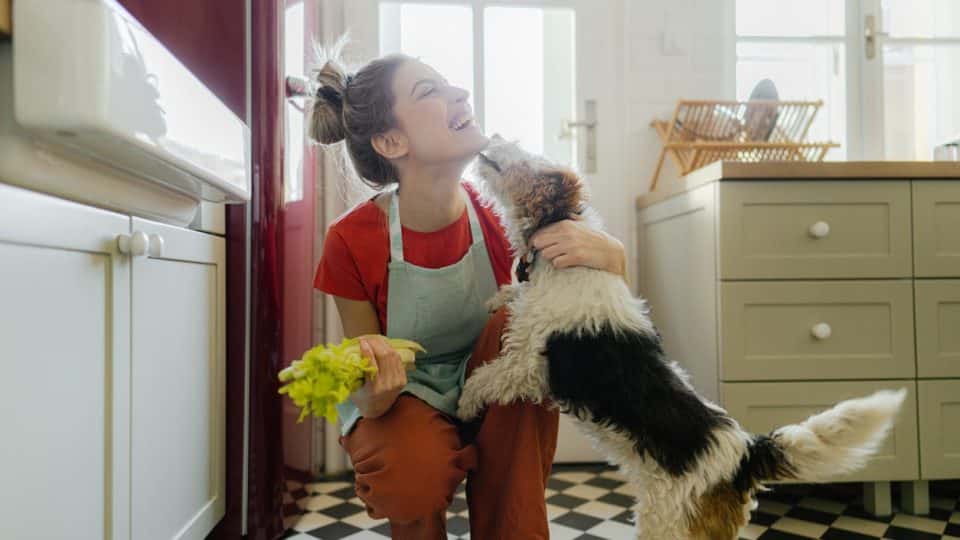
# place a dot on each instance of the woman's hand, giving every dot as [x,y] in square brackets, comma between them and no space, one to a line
[571,243]
[379,393]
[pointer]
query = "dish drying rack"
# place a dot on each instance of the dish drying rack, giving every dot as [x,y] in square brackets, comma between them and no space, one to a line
[702,132]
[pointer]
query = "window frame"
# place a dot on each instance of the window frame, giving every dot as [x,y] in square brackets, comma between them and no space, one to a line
[864,77]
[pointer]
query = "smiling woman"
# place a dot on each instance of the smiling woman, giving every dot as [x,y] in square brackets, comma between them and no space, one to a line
[419,262]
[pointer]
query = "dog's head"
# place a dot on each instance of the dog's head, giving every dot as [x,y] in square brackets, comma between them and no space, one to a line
[531,192]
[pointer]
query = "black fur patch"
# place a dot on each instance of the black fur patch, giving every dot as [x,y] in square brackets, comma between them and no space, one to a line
[624,382]
[764,460]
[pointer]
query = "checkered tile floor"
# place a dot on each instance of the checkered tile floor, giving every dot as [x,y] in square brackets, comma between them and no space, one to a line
[590,502]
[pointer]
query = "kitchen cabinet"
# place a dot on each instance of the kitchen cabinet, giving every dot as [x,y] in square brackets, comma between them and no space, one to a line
[111,373]
[177,375]
[786,287]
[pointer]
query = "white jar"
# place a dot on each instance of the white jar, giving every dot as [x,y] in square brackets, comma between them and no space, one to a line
[947,152]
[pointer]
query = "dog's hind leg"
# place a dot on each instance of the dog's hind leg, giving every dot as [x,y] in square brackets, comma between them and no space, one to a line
[662,511]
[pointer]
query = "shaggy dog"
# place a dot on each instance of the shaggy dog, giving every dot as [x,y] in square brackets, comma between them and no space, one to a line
[578,337]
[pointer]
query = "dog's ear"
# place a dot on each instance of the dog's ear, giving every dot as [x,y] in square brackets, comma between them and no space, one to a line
[554,194]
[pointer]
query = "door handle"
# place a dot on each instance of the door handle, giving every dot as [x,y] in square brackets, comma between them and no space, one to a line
[566,128]
[870,34]
[589,123]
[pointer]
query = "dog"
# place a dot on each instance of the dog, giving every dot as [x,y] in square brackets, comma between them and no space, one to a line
[578,338]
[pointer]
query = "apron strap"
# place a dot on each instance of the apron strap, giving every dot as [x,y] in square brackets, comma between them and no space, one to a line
[396,236]
[476,234]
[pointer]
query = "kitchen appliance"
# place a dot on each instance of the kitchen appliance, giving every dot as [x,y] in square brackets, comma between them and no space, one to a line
[93,108]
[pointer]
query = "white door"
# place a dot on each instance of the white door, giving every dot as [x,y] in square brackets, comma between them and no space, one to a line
[64,369]
[532,68]
[177,374]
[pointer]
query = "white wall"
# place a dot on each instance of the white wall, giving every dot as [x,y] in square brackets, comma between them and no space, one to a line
[673,49]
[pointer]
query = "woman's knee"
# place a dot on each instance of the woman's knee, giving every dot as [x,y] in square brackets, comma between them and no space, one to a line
[407,466]
[407,483]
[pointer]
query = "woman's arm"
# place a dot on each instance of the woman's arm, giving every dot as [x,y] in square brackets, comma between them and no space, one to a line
[377,395]
[571,243]
[357,317]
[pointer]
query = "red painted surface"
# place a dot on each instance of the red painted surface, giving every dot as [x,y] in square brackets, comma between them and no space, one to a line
[207,36]
[297,290]
[265,480]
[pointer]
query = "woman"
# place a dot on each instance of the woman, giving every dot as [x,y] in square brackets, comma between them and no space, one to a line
[419,262]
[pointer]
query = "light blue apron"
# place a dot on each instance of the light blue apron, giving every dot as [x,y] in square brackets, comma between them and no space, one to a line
[443,309]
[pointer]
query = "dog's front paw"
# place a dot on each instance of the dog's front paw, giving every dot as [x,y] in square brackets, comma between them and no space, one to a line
[503,296]
[478,392]
[468,412]
[470,404]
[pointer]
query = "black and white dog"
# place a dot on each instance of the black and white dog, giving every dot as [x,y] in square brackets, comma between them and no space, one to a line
[578,337]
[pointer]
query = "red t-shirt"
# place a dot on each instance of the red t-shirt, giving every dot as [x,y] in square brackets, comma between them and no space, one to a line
[356,251]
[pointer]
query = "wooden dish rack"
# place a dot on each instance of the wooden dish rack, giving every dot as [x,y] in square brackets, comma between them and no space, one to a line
[702,132]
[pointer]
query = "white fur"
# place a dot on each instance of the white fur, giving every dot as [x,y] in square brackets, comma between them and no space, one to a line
[841,439]
[585,300]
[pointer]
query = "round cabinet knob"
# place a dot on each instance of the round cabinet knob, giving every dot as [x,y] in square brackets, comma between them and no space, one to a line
[821,331]
[123,243]
[156,245]
[134,244]
[820,229]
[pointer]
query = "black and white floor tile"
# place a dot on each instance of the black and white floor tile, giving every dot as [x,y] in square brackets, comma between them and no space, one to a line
[592,502]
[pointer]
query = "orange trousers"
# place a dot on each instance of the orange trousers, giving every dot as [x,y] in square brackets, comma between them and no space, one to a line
[409,462]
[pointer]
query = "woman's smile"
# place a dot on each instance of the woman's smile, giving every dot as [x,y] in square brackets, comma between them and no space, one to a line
[462,121]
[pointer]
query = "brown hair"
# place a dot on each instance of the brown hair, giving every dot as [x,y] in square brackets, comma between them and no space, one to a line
[353,108]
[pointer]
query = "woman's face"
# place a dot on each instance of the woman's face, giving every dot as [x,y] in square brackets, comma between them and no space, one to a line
[433,117]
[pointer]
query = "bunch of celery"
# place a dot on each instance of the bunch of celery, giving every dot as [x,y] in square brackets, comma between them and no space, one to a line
[326,375]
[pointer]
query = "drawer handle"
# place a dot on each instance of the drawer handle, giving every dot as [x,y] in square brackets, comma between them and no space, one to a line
[820,229]
[133,244]
[821,331]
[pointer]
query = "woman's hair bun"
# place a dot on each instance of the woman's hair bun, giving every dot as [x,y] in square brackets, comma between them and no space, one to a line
[326,124]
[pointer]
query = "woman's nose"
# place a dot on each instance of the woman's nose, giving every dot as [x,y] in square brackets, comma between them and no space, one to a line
[458,94]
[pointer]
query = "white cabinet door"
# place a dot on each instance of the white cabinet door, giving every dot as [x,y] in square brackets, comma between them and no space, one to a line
[64,369]
[177,403]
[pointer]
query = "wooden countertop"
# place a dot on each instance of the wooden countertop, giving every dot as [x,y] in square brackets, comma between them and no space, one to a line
[5,23]
[798,170]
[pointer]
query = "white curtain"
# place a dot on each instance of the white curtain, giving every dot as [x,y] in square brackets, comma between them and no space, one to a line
[337,190]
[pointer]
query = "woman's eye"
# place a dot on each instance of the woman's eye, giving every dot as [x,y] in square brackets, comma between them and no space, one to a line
[428,92]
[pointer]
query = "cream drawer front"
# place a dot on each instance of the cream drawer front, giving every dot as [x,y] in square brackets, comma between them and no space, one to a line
[938,328]
[936,230]
[940,429]
[816,330]
[763,407]
[798,230]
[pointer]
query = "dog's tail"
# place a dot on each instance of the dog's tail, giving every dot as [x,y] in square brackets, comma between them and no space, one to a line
[833,442]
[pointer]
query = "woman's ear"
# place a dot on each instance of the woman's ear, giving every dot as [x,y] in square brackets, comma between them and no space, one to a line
[391,144]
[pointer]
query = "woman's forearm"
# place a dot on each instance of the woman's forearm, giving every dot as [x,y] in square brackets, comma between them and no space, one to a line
[616,257]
